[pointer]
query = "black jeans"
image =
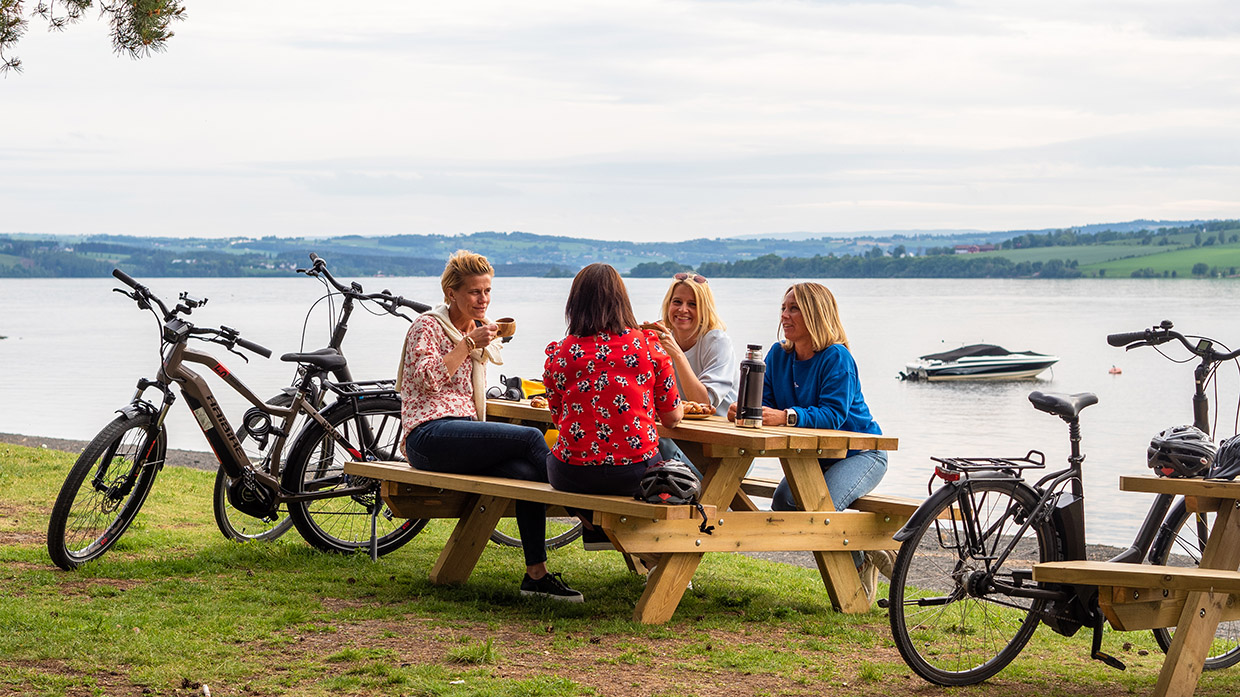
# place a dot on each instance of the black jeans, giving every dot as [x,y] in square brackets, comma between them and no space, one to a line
[464,446]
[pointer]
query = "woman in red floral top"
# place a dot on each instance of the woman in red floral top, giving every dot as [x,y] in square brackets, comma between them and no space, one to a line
[607,383]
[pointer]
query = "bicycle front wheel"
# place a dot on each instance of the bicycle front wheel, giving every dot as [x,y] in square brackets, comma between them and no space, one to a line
[105,489]
[1181,542]
[560,531]
[365,429]
[952,625]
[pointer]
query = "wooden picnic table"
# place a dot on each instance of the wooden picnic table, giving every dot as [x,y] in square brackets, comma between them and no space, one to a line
[724,454]
[1192,599]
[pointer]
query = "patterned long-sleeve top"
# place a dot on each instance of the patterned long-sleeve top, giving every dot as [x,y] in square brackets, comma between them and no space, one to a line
[605,393]
[427,392]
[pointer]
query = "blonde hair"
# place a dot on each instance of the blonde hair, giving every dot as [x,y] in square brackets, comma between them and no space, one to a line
[707,316]
[821,315]
[462,265]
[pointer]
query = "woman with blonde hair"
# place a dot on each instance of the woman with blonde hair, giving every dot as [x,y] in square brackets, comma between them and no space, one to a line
[442,384]
[695,337]
[811,381]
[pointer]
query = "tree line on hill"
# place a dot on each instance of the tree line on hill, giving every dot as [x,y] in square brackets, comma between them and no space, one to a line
[869,266]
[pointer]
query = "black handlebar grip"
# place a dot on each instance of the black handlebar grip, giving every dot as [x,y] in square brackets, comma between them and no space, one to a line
[260,350]
[317,261]
[414,305]
[126,279]
[1125,338]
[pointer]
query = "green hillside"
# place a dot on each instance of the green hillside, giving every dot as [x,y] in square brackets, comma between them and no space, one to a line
[1219,260]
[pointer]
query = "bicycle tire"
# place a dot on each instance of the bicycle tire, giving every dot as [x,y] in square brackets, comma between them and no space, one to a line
[239,526]
[1180,542]
[316,463]
[561,531]
[105,489]
[947,630]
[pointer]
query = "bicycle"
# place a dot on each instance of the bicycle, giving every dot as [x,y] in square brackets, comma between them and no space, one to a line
[560,531]
[110,480]
[238,525]
[962,601]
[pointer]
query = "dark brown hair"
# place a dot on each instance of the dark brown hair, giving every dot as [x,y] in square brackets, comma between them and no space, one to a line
[598,302]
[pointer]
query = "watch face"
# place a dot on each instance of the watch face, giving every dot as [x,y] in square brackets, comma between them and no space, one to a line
[792,418]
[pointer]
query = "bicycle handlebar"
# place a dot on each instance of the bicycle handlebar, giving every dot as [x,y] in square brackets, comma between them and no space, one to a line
[385,298]
[1161,334]
[256,348]
[127,279]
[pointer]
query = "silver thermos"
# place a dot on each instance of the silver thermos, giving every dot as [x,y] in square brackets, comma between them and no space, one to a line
[749,391]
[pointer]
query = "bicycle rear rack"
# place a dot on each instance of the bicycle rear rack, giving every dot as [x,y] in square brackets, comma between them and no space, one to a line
[950,467]
[363,388]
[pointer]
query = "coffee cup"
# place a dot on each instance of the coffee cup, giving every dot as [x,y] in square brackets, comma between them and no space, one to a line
[507,327]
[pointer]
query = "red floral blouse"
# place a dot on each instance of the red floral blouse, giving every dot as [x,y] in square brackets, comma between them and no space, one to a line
[605,393]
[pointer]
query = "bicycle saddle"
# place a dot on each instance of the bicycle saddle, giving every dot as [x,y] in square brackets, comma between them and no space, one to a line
[1065,406]
[327,359]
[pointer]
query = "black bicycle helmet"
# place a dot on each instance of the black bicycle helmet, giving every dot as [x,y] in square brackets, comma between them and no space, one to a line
[670,482]
[1181,451]
[1226,460]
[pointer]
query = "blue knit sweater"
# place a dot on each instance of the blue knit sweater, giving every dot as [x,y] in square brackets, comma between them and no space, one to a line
[824,391]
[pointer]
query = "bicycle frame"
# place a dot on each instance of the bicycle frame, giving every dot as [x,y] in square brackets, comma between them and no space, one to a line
[218,430]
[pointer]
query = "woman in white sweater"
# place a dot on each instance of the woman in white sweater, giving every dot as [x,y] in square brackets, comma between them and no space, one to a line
[692,333]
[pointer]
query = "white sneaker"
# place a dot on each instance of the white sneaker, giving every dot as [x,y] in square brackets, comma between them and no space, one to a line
[884,560]
[869,578]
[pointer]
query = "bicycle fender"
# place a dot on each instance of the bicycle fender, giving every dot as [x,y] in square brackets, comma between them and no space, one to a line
[925,510]
[936,501]
[136,409]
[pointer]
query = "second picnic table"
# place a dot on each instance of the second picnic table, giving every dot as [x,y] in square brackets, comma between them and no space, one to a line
[724,454]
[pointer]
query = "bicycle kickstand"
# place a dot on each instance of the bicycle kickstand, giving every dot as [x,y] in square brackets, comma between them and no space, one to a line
[1095,651]
[374,534]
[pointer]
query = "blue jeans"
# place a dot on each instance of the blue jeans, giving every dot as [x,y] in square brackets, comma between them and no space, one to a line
[465,446]
[848,479]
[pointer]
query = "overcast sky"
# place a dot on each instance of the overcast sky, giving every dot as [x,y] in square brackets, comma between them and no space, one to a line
[628,119]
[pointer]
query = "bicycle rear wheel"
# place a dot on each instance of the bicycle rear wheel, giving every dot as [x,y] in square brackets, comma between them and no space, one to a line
[950,625]
[560,531]
[105,489]
[341,523]
[239,526]
[1181,542]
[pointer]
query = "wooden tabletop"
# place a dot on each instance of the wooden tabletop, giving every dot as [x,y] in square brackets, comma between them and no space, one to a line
[717,430]
[1206,488]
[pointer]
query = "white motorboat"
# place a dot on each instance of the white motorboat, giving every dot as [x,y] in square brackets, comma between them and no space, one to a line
[978,362]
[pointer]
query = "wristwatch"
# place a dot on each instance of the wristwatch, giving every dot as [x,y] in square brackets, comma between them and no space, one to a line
[791,418]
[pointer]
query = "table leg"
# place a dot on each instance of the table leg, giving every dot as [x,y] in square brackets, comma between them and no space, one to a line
[839,573]
[666,583]
[1202,610]
[470,536]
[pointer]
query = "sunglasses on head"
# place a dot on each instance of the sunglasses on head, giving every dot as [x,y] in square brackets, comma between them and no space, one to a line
[697,278]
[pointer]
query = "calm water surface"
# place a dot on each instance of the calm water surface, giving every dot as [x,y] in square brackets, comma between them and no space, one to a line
[74,350]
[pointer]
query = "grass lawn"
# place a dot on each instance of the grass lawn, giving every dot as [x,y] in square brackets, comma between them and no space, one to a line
[174,607]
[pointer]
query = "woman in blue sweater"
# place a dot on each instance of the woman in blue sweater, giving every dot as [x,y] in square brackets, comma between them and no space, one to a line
[811,382]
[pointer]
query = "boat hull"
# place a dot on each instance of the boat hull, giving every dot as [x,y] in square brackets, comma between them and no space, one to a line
[983,370]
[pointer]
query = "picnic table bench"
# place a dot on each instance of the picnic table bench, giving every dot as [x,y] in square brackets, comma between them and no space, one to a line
[671,535]
[1192,599]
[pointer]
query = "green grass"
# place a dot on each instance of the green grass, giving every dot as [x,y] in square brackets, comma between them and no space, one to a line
[1222,257]
[174,606]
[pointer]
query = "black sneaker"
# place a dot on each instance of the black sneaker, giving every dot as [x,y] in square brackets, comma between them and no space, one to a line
[595,540]
[550,586]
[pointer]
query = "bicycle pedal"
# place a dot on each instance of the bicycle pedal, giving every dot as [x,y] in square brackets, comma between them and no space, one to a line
[884,603]
[1109,660]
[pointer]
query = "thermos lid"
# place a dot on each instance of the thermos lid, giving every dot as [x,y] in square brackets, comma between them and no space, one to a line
[755,347]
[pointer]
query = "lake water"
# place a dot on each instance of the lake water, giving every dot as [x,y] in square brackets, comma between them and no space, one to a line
[74,350]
